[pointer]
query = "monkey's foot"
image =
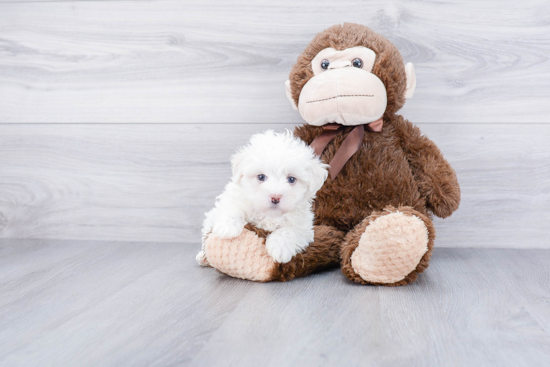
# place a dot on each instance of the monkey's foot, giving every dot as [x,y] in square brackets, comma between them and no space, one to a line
[244,256]
[389,247]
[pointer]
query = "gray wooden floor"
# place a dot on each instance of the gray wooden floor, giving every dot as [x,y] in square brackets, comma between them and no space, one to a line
[86,303]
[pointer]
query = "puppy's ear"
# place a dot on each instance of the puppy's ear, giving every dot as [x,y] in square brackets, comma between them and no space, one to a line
[236,166]
[318,175]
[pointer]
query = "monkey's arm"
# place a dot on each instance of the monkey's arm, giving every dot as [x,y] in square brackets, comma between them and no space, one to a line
[435,177]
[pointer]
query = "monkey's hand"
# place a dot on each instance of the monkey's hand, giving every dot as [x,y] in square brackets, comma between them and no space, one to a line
[442,191]
[435,177]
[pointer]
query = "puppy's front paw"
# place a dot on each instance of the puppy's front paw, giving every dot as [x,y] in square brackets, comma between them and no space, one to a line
[279,249]
[201,259]
[227,229]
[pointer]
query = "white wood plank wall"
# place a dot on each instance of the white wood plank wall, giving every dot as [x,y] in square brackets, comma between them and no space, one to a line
[117,118]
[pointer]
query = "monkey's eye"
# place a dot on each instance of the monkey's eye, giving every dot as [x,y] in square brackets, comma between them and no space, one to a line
[357,63]
[291,180]
[262,177]
[324,64]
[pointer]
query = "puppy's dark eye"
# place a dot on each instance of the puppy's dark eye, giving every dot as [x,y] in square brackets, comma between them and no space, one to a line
[291,180]
[324,64]
[262,178]
[357,63]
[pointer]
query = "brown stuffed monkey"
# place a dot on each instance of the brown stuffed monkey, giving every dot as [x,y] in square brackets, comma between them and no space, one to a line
[373,214]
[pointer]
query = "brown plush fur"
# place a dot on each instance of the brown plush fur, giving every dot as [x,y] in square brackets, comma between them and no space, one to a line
[322,254]
[398,167]
[259,232]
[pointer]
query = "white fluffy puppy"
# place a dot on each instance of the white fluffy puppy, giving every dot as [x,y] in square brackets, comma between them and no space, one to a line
[275,178]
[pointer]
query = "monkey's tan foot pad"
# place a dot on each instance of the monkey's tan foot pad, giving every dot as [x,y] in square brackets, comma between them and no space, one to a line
[242,257]
[390,248]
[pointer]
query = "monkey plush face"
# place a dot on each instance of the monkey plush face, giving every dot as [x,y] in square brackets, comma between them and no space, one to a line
[344,89]
[351,76]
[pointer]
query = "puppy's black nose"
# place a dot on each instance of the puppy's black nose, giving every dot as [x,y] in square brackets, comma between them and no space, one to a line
[275,200]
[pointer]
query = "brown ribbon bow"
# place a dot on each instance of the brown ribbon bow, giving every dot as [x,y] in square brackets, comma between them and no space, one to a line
[349,146]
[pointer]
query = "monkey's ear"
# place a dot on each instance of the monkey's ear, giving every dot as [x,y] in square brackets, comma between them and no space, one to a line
[411,80]
[289,95]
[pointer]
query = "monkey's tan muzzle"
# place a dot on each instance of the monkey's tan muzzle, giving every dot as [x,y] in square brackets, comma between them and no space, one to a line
[347,96]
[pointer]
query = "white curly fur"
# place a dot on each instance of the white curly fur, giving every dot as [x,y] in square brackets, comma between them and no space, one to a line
[246,199]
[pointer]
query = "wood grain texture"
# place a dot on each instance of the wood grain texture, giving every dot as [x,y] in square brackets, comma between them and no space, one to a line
[211,61]
[138,304]
[83,298]
[153,182]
